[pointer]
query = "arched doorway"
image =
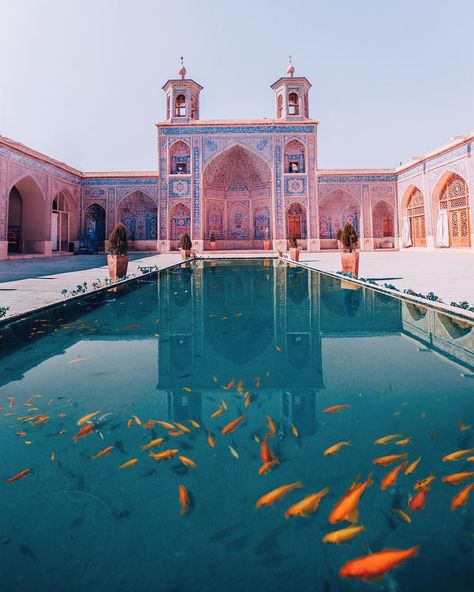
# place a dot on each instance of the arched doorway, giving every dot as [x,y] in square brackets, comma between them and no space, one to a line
[296,221]
[337,208]
[237,186]
[60,223]
[26,218]
[454,199]
[382,224]
[416,218]
[138,213]
[180,223]
[94,222]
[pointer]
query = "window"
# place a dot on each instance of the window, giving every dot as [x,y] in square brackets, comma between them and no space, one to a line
[280,106]
[180,106]
[181,168]
[293,104]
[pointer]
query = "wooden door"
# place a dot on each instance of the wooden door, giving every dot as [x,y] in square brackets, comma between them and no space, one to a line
[294,226]
[418,234]
[459,228]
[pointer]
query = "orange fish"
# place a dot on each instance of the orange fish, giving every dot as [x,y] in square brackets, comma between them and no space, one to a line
[463,427]
[149,424]
[403,442]
[418,501]
[187,462]
[424,483]
[53,456]
[271,425]
[230,385]
[385,461]
[387,439]
[334,408]
[276,494]
[87,417]
[457,478]
[182,427]
[137,420]
[103,452]
[165,424]
[402,514]
[461,498]
[19,476]
[343,535]
[175,433]
[165,455]
[210,439]
[12,402]
[391,477]
[220,411]
[268,466]
[346,507]
[129,463]
[454,456]
[183,499]
[247,400]
[153,443]
[233,425]
[265,453]
[412,466]
[278,348]
[22,434]
[84,431]
[376,565]
[41,419]
[307,505]
[130,422]
[195,424]
[294,430]
[334,449]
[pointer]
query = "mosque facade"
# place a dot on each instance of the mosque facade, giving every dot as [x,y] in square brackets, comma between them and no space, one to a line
[240,182]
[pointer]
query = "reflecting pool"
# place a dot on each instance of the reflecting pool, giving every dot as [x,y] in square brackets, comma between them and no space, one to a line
[199,346]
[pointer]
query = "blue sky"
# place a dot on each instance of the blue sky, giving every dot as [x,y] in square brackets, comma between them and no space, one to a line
[81,79]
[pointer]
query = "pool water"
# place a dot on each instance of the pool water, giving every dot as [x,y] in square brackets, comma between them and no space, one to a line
[297,342]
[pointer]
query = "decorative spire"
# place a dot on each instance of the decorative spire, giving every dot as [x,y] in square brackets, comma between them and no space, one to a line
[182,70]
[291,69]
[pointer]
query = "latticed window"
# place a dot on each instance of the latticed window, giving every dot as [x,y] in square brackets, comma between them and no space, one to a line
[416,204]
[454,194]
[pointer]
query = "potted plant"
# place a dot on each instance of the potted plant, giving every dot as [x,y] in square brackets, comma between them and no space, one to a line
[185,245]
[213,242]
[339,239]
[294,249]
[117,258]
[266,240]
[350,245]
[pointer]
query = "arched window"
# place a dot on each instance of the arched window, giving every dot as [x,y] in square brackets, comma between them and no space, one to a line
[294,157]
[180,106]
[60,223]
[455,199]
[416,216]
[293,104]
[280,106]
[180,158]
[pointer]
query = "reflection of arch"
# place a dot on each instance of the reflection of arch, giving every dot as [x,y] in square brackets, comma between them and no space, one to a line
[138,213]
[179,158]
[294,157]
[296,221]
[382,219]
[297,285]
[299,349]
[180,221]
[94,222]
[454,197]
[337,208]
[417,312]
[415,209]
[455,327]
[60,223]
[26,217]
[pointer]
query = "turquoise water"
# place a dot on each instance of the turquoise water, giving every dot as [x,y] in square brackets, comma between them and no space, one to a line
[152,351]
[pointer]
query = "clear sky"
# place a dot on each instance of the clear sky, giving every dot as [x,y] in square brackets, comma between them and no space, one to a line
[81,79]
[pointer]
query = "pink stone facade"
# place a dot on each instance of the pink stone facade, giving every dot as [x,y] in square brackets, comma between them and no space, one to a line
[241,183]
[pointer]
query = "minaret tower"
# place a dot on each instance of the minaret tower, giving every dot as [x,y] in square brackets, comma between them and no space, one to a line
[182,98]
[291,96]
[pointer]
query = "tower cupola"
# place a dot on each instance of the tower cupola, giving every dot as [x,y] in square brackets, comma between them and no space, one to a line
[182,98]
[291,95]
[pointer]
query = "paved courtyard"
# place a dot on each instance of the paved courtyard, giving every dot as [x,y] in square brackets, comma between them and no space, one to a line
[27,284]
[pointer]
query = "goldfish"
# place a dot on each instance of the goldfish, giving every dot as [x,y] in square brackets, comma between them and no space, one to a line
[165,455]
[183,499]
[470,459]
[271,425]
[334,408]
[217,413]
[463,427]
[376,565]
[87,417]
[233,425]
[334,449]
[175,433]
[195,424]
[257,382]
[149,424]
[343,535]
[103,452]
[255,437]
[129,423]
[247,400]
[276,494]
[153,443]
[346,507]
[240,386]
[268,466]
[22,434]
[307,505]
[187,462]
[137,420]
[457,478]
[11,404]
[424,483]
[53,456]
[40,419]
[418,501]
[129,463]
[385,461]
[412,466]
[230,385]
[223,404]
[454,456]
[182,427]
[402,514]
[84,431]
[19,476]
[387,439]
[278,348]
[403,442]
[210,439]
[461,498]
[165,424]
[234,452]
[294,430]
[188,389]
[266,454]
[391,477]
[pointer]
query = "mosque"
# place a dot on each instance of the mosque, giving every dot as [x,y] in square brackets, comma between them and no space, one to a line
[240,182]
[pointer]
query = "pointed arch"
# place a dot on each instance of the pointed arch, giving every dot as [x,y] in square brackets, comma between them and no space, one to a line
[450,200]
[94,226]
[296,222]
[138,213]
[61,220]
[383,223]
[335,209]
[294,156]
[28,228]
[179,221]
[180,158]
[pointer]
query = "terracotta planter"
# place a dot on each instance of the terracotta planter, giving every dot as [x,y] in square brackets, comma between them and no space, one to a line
[350,263]
[185,254]
[213,245]
[266,245]
[295,253]
[118,265]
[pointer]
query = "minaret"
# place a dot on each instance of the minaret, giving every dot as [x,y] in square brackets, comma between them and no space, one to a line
[182,98]
[291,96]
